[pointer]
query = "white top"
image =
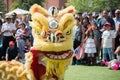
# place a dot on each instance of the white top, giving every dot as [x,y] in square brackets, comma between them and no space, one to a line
[7,26]
[117,22]
[74,31]
[90,46]
[107,37]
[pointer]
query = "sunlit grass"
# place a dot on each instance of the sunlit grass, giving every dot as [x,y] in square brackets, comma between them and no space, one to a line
[79,72]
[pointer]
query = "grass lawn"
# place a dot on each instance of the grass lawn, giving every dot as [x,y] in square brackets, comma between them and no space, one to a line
[80,72]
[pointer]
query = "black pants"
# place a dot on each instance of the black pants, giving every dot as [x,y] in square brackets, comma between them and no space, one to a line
[1,51]
[76,44]
[6,40]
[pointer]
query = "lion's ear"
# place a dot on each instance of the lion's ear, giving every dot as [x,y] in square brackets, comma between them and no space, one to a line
[69,9]
[66,22]
[40,21]
[66,19]
[38,9]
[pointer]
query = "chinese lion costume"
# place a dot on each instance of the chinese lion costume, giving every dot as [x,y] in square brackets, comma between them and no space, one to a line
[52,48]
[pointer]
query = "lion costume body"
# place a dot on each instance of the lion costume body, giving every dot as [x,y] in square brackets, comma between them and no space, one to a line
[52,48]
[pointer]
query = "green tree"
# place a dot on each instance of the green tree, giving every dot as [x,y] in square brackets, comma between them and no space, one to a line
[112,4]
[94,5]
[25,4]
[2,6]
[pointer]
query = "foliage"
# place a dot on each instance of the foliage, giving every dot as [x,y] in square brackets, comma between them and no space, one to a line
[14,5]
[2,6]
[94,5]
[25,4]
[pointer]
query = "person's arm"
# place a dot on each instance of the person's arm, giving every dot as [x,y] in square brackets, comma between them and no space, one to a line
[26,34]
[113,43]
[102,30]
[6,57]
[17,57]
[95,41]
[13,31]
[117,50]
[4,30]
[85,39]
[113,39]
[83,34]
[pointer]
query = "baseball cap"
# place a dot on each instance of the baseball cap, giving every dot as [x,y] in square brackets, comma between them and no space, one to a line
[107,24]
[11,43]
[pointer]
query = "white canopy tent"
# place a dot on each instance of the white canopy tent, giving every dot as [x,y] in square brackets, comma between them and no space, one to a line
[18,11]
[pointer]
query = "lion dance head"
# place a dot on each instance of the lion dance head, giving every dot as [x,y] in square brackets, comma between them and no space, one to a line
[52,48]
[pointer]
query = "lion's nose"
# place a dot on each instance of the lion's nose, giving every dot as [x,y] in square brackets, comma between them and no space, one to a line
[53,38]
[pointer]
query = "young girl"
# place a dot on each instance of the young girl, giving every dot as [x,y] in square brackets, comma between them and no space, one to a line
[90,48]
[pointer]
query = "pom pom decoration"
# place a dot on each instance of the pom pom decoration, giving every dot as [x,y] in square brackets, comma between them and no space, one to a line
[115,67]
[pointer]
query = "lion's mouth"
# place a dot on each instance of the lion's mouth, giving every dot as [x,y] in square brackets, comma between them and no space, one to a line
[59,55]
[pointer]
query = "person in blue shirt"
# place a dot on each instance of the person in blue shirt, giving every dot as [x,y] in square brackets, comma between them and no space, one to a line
[105,18]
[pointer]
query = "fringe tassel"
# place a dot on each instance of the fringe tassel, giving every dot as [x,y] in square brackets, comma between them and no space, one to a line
[57,67]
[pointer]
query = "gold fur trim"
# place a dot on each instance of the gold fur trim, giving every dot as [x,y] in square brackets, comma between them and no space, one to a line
[57,67]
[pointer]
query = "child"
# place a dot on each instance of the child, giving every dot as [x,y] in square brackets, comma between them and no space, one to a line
[90,48]
[108,42]
[12,52]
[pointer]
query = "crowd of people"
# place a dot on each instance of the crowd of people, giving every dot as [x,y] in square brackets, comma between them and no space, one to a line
[96,37]
[15,37]
[97,34]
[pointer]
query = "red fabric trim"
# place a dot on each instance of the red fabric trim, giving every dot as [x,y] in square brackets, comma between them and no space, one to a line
[38,69]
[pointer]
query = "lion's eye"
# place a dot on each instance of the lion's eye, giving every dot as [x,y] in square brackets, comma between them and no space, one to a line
[68,32]
[38,33]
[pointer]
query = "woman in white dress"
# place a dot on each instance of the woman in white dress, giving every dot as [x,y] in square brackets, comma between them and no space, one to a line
[90,47]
